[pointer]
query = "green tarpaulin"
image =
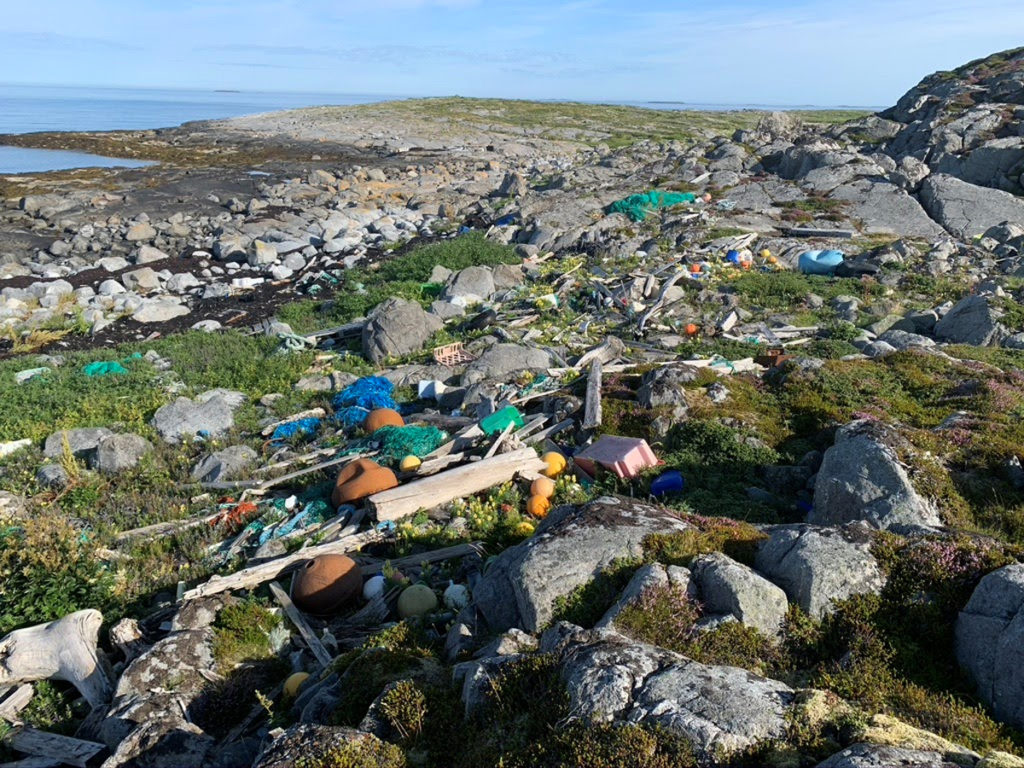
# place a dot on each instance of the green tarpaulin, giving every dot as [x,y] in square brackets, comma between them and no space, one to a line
[638,206]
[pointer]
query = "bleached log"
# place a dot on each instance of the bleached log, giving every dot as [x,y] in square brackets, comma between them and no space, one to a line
[592,406]
[59,650]
[296,617]
[431,492]
[16,701]
[247,578]
[51,745]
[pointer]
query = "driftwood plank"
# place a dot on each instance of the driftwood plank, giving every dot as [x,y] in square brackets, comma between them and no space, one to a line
[258,574]
[62,748]
[16,701]
[437,556]
[592,408]
[293,613]
[447,486]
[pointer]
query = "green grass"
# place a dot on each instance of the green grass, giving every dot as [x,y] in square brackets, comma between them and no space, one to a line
[402,276]
[66,398]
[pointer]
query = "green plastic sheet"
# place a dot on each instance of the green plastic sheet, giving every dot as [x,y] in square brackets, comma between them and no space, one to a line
[636,207]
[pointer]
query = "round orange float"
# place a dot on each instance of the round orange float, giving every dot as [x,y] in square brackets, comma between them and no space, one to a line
[326,583]
[359,479]
[695,269]
[383,417]
[555,463]
[537,506]
[692,329]
[543,486]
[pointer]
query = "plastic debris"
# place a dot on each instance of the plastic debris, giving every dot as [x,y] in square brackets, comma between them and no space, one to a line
[667,482]
[300,428]
[369,392]
[27,375]
[625,456]
[456,596]
[397,443]
[104,368]
[637,207]
[497,422]
[452,354]
[431,390]
[820,262]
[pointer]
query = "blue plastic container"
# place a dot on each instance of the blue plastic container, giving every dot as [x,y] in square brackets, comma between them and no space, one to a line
[820,262]
[733,257]
[667,482]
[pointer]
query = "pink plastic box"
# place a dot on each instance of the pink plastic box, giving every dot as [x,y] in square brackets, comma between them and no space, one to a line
[625,456]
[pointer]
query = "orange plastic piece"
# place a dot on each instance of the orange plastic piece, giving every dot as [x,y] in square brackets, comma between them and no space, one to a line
[359,479]
[383,417]
[538,506]
[543,486]
[692,329]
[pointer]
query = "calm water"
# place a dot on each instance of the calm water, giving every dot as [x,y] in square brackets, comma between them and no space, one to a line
[28,109]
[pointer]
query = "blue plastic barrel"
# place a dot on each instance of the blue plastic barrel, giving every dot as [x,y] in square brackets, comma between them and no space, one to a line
[820,262]
[670,481]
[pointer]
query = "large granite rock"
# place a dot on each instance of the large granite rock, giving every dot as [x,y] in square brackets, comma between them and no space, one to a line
[309,743]
[990,642]
[397,327]
[211,414]
[885,209]
[227,464]
[972,320]
[570,547]
[964,209]
[651,576]
[877,756]
[819,565]
[470,285]
[726,587]
[861,478]
[501,361]
[82,442]
[718,709]
[117,453]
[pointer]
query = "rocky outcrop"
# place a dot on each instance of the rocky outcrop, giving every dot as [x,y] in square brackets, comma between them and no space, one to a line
[877,756]
[728,588]
[990,642]
[397,327]
[817,565]
[973,320]
[719,710]
[861,478]
[570,547]
[964,209]
[211,414]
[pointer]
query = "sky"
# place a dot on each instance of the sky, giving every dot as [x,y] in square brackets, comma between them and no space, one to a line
[762,52]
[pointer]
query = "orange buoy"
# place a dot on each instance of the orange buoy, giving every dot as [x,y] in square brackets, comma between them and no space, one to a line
[746,264]
[555,463]
[537,506]
[359,479]
[326,584]
[695,269]
[543,486]
[383,417]
[692,329]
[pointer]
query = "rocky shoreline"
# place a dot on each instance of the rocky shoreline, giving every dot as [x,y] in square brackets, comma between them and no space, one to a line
[632,438]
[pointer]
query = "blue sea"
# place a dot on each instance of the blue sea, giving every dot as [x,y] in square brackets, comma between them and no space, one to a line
[30,109]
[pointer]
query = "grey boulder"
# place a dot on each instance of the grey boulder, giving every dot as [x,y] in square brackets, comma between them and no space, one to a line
[726,587]
[817,566]
[648,578]
[718,709]
[227,464]
[82,442]
[117,453]
[211,414]
[990,642]
[397,327]
[571,546]
[501,361]
[972,320]
[966,210]
[879,756]
[473,284]
[861,478]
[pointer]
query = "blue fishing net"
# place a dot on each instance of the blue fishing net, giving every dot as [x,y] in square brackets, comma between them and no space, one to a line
[369,392]
[300,427]
[636,207]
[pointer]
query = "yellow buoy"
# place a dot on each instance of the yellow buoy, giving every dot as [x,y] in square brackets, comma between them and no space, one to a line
[525,528]
[555,462]
[766,254]
[538,506]
[416,600]
[410,464]
[293,683]
[543,486]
